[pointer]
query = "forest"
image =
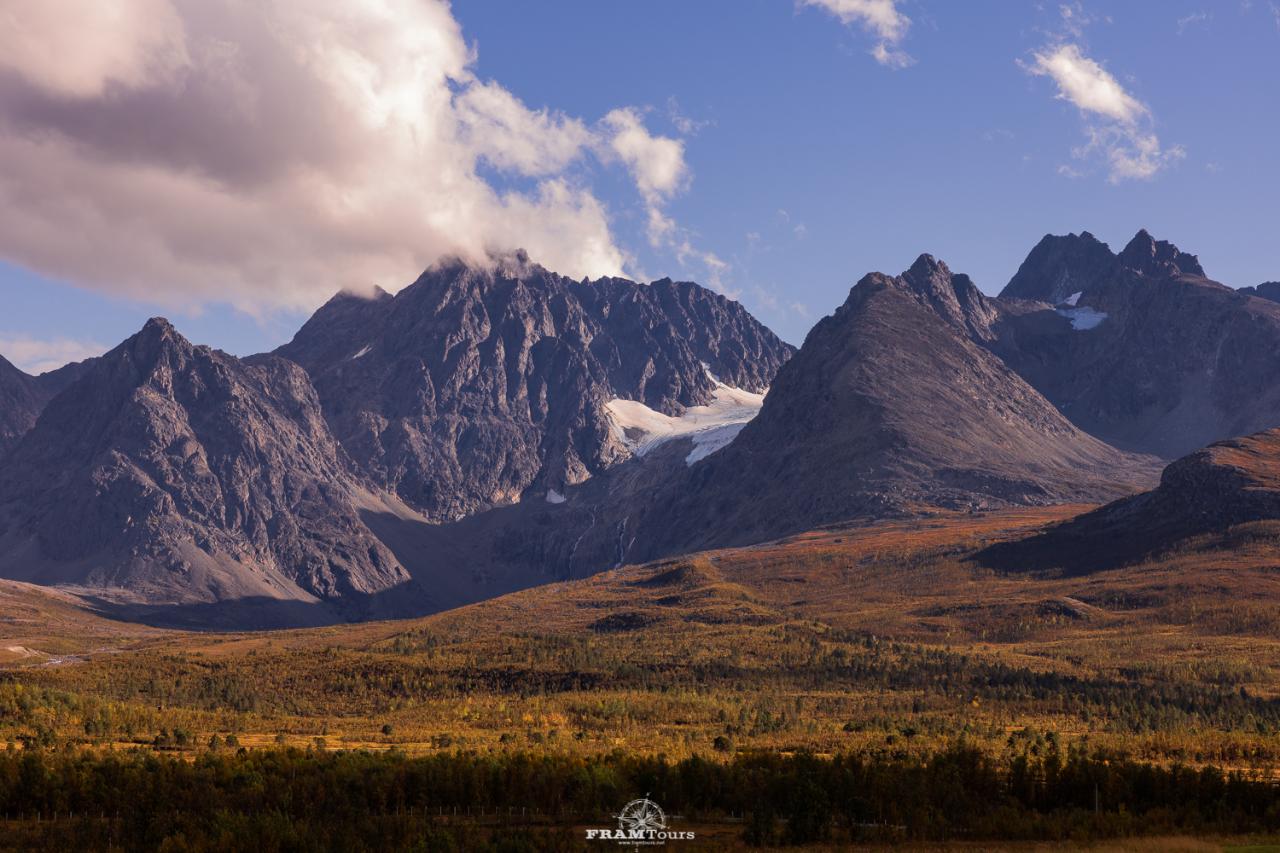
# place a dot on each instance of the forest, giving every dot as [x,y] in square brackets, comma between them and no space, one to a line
[289,799]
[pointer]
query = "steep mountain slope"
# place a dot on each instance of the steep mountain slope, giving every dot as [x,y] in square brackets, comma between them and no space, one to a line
[1230,483]
[22,397]
[175,474]
[475,388]
[20,404]
[891,406]
[1140,349]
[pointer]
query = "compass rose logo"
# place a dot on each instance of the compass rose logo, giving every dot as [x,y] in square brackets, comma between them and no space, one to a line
[641,823]
[642,815]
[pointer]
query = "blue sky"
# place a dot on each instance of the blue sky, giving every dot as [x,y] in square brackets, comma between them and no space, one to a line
[805,161]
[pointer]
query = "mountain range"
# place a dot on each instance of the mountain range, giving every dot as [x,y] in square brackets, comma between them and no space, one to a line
[493,427]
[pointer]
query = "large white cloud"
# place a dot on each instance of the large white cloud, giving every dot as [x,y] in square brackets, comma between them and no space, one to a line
[1118,125]
[268,153]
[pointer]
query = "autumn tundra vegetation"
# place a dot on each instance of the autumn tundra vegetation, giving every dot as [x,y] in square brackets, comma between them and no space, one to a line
[875,684]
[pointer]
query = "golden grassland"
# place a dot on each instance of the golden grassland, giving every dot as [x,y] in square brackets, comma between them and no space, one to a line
[890,639]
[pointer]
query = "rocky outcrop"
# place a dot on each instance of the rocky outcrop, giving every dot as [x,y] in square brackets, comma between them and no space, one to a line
[1060,266]
[474,387]
[173,473]
[1269,290]
[1148,256]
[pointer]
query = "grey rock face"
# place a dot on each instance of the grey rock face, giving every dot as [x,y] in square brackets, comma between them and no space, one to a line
[1059,266]
[1169,360]
[1269,290]
[20,404]
[181,474]
[22,397]
[473,387]
[892,406]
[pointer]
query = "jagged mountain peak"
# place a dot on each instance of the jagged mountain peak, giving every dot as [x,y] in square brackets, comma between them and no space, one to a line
[953,296]
[892,406]
[181,474]
[1059,266]
[478,384]
[1269,290]
[1151,257]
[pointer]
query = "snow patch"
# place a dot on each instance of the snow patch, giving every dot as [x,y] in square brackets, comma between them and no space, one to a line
[708,441]
[362,352]
[1074,298]
[554,497]
[711,427]
[1083,319]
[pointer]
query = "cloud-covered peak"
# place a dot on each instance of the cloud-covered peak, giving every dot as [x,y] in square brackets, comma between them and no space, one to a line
[266,154]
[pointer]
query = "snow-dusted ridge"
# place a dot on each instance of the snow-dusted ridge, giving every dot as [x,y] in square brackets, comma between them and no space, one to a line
[711,426]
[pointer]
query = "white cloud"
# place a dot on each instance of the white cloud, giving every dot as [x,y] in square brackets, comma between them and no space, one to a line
[266,154]
[881,18]
[101,44]
[1118,124]
[37,356]
[656,162]
[1087,84]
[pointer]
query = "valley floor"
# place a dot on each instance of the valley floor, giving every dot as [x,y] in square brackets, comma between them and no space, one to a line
[893,643]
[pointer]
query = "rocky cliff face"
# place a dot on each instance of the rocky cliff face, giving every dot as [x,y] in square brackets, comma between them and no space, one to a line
[174,474]
[891,407]
[473,388]
[1269,290]
[1149,355]
[1060,266]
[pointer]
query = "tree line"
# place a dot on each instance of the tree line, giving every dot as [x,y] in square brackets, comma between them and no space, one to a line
[291,799]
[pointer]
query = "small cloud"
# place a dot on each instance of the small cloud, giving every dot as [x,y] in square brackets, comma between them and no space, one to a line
[881,18]
[683,123]
[1118,125]
[800,230]
[1191,20]
[37,356]
[1213,167]
[1086,84]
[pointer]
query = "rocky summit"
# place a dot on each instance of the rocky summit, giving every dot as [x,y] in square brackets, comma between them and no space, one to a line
[493,427]
[173,475]
[475,387]
[1141,349]
[893,406]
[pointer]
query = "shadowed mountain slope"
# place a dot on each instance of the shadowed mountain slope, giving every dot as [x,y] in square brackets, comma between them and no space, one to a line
[22,397]
[1141,349]
[1211,491]
[171,473]
[891,407]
